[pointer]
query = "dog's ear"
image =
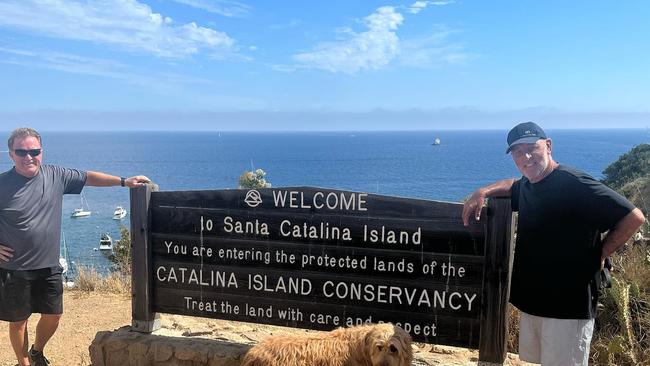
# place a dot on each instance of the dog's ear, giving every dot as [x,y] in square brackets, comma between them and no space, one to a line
[404,338]
[404,341]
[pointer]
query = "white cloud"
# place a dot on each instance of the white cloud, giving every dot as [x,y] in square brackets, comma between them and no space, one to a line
[63,62]
[418,6]
[75,64]
[222,7]
[433,50]
[124,23]
[380,45]
[372,49]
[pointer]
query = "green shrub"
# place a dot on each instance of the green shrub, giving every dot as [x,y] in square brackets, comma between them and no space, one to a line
[622,335]
[253,180]
[121,254]
[629,167]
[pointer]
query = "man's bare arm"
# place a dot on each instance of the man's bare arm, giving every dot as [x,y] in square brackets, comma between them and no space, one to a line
[99,179]
[622,232]
[475,202]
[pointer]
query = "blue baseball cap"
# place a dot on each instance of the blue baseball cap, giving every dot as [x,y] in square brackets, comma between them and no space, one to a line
[525,133]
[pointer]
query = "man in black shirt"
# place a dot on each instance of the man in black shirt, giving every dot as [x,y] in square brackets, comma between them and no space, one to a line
[559,252]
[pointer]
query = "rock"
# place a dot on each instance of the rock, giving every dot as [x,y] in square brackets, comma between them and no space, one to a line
[162,352]
[193,353]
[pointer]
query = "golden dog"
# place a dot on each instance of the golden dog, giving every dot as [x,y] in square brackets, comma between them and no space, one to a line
[366,345]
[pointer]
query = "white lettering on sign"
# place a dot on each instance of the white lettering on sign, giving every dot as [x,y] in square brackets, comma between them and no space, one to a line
[398,295]
[351,321]
[320,231]
[200,305]
[387,236]
[196,277]
[175,249]
[247,254]
[291,313]
[325,319]
[401,266]
[258,311]
[417,329]
[291,285]
[245,227]
[348,201]
[328,261]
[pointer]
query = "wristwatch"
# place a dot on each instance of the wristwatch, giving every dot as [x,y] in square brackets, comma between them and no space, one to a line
[122,181]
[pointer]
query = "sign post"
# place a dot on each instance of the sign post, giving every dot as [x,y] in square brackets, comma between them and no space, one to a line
[143,318]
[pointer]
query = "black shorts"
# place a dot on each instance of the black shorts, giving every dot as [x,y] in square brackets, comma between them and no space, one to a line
[33,291]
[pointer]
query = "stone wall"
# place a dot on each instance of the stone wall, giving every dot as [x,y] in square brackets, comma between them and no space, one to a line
[125,348]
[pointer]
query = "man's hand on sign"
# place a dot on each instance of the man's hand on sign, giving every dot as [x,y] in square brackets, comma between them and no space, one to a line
[6,253]
[473,206]
[138,180]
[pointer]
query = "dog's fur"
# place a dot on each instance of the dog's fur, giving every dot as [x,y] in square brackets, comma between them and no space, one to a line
[366,345]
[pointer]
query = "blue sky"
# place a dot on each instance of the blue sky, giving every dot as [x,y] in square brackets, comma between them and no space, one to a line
[318,65]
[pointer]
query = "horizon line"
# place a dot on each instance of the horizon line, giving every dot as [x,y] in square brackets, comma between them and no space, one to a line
[341,131]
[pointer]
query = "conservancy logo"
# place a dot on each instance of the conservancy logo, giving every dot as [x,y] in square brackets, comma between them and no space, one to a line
[253,198]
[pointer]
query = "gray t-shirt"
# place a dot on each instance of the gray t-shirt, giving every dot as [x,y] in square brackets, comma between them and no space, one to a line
[30,214]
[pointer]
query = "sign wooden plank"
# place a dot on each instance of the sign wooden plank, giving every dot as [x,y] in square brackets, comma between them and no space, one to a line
[143,317]
[310,200]
[331,259]
[423,234]
[494,322]
[369,291]
[462,332]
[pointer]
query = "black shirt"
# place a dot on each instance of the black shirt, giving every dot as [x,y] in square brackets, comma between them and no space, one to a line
[558,247]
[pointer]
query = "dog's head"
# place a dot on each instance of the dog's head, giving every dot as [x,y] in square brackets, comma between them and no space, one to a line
[388,345]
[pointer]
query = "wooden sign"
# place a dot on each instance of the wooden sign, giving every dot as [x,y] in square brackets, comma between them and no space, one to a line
[320,259]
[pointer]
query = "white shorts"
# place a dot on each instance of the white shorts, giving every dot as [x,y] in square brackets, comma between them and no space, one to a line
[555,342]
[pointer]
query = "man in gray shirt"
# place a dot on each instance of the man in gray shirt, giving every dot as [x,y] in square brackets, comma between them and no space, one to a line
[31,196]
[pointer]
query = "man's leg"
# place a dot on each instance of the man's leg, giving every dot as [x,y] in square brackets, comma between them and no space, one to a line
[19,341]
[565,342]
[47,299]
[15,308]
[45,329]
[530,338]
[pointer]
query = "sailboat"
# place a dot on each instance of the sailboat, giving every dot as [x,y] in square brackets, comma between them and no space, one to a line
[436,141]
[83,211]
[63,262]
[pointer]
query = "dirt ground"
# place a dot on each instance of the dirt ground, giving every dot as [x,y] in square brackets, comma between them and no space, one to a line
[88,313]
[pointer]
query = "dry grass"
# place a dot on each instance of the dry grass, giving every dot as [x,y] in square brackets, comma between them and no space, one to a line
[88,279]
[513,329]
[622,335]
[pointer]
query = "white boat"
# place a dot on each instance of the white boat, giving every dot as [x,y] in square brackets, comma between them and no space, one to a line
[119,213]
[436,141]
[105,242]
[83,211]
[63,262]
[80,212]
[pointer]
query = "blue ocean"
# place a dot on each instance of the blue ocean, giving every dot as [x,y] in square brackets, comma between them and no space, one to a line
[391,163]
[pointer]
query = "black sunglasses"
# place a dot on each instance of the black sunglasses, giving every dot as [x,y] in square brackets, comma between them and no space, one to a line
[32,152]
